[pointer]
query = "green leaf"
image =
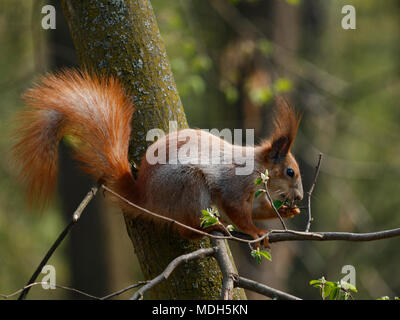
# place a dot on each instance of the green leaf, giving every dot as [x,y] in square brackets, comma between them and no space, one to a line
[258,192]
[208,223]
[257,254]
[326,291]
[335,293]
[210,217]
[348,286]
[266,255]
[338,290]
[315,282]
[278,204]
[258,181]
[344,296]
[230,227]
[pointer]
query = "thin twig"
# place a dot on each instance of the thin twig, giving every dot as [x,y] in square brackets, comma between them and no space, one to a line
[201,253]
[89,196]
[46,283]
[262,289]
[117,293]
[273,206]
[111,295]
[309,193]
[58,241]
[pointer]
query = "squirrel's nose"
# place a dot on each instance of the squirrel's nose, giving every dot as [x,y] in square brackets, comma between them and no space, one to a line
[298,195]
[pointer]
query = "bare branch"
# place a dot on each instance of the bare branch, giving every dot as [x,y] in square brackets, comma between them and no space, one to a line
[90,195]
[262,289]
[331,236]
[309,193]
[201,253]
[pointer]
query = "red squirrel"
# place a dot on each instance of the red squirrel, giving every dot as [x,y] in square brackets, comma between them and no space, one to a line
[97,112]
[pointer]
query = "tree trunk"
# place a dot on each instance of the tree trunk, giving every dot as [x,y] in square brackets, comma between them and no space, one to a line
[122,38]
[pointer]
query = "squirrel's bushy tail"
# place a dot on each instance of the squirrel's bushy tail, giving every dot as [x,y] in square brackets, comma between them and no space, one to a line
[95,112]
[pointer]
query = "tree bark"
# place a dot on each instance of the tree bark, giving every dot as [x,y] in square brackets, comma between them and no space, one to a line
[122,38]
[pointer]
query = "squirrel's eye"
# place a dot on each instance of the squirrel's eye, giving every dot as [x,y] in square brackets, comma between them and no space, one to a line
[290,172]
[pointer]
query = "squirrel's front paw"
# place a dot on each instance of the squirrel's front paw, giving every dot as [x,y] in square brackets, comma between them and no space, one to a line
[288,212]
[261,233]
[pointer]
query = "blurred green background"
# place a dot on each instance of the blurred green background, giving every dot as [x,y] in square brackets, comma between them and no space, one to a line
[229,58]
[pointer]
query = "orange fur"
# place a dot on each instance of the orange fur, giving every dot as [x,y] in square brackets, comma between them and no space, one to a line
[93,110]
[286,121]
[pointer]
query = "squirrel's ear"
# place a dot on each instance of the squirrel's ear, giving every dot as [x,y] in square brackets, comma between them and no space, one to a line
[279,148]
[286,123]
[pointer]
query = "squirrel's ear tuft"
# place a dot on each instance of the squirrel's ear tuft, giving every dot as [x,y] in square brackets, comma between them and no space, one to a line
[286,123]
[279,149]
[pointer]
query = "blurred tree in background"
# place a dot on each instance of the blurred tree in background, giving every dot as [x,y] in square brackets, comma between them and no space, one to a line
[229,58]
